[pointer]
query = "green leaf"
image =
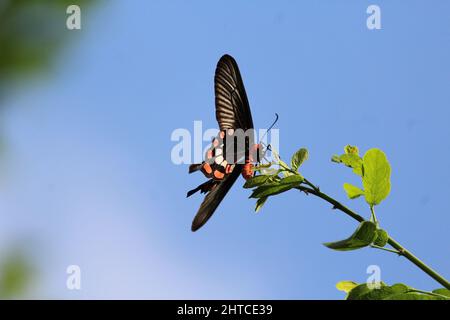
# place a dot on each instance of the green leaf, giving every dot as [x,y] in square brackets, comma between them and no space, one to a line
[358,171]
[410,296]
[260,202]
[363,292]
[336,158]
[269,171]
[298,158]
[398,291]
[270,190]
[295,179]
[353,192]
[376,178]
[400,287]
[346,286]
[382,238]
[351,160]
[278,186]
[275,178]
[384,292]
[256,181]
[262,166]
[284,168]
[357,292]
[362,237]
[442,292]
[351,149]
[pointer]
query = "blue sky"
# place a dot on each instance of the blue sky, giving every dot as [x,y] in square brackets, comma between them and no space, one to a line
[88,179]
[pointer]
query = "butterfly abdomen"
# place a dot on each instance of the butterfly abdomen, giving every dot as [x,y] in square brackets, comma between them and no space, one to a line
[253,156]
[247,170]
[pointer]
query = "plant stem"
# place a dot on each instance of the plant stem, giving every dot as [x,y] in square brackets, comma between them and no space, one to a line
[374,216]
[385,249]
[311,184]
[404,252]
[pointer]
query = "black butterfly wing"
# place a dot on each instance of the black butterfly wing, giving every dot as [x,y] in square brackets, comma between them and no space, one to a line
[232,108]
[213,199]
[232,112]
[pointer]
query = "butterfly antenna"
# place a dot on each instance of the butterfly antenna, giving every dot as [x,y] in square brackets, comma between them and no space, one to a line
[271,126]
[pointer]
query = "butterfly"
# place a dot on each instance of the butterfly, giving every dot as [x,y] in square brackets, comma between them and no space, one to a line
[233,114]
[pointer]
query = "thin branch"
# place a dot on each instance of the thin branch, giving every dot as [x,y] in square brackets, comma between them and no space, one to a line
[374,216]
[385,249]
[393,243]
[306,181]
